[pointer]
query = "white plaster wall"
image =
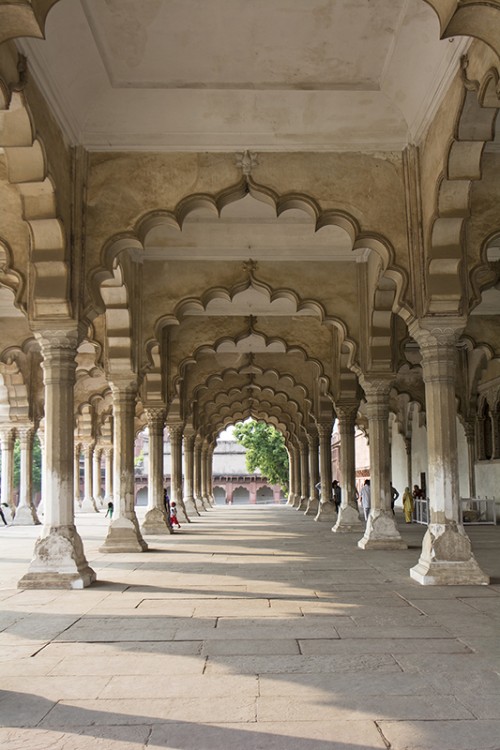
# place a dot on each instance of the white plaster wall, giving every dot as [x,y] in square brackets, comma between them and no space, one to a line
[463,461]
[488,481]
[399,464]
[418,452]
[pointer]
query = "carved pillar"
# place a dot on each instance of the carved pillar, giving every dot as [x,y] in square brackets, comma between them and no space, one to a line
[446,556]
[313,502]
[495,429]
[304,475]
[89,503]
[197,472]
[348,517]
[124,534]
[409,481]
[26,513]
[381,531]
[189,500]
[58,560]
[96,477]
[205,471]
[326,509]
[155,520]
[295,455]
[175,431]
[470,435]
[76,476]
[290,499]
[210,459]
[8,439]
[41,439]
[108,475]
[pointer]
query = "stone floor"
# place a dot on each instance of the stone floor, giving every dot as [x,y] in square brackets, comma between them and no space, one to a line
[252,628]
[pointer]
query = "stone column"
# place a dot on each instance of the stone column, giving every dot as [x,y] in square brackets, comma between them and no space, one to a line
[41,507]
[155,520]
[205,471]
[108,475]
[304,475]
[96,477]
[210,460]
[26,513]
[313,502]
[446,556]
[189,500]
[175,431]
[8,440]
[348,517]
[290,500]
[197,472]
[326,509]
[409,481]
[88,504]
[295,455]
[76,476]
[124,534]
[58,560]
[381,531]
[470,434]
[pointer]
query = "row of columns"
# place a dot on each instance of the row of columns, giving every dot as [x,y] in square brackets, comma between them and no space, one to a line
[59,559]
[24,514]
[446,556]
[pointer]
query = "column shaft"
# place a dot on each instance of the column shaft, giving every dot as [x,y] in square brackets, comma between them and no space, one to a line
[155,520]
[7,487]
[446,556]
[313,501]
[176,431]
[59,560]
[304,475]
[326,509]
[123,534]
[381,531]
[26,513]
[348,517]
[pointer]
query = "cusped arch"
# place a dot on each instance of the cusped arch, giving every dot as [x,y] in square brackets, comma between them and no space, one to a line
[27,168]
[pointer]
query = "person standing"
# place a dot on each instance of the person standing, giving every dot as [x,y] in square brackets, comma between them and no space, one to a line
[2,516]
[366,498]
[394,497]
[173,515]
[408,504]
[337,494]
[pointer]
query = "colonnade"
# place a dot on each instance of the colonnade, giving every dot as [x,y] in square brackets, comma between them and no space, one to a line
[59,559]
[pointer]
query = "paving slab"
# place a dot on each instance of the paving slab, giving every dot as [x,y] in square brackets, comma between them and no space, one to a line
[256,629]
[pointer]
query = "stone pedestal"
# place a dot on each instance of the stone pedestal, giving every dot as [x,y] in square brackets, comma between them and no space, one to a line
[59,562]
[381,532]
[447,558]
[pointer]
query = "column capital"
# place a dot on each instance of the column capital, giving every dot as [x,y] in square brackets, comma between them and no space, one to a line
[377,388]
[324,429]
[155,416]
[437,331]
[175,431]
[26,433]
[7,437]
[125,385]
[59,338]
[313,439]
[347,411]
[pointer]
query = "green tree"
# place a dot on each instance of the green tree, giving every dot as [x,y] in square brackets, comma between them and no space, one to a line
[266,450]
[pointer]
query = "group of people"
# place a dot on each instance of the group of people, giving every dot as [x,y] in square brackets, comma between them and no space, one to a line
[408,500]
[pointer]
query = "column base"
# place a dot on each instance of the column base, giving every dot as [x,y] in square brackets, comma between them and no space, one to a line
[302,504]
[381,532]
[447,559]
[155,522]
[348,520]
[312,507]
[190,505]
[25,516]
[58,562]
[89,506]
[182,512]
[124,536]
[326,512]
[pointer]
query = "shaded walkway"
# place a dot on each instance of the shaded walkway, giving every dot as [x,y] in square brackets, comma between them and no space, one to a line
[252,628]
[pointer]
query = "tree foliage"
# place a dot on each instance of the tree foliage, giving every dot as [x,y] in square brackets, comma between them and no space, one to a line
[266,450]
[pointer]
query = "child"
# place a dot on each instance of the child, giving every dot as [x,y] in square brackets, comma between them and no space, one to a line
[173,515]
[109,511]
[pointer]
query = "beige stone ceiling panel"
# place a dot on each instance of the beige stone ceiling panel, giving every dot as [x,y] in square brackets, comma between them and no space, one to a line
[193,75]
